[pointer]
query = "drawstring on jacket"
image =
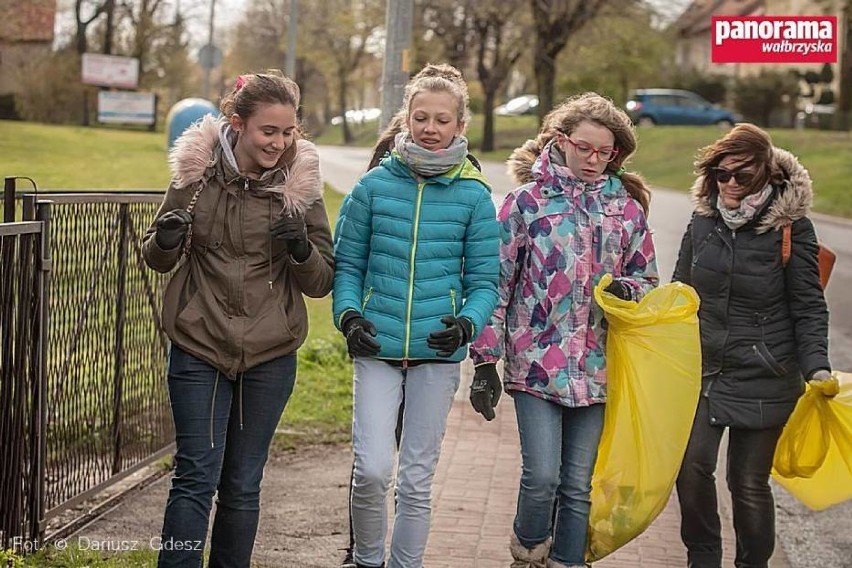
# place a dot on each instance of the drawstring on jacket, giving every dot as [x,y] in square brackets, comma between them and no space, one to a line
[213,407]
[240,379]
[269,243]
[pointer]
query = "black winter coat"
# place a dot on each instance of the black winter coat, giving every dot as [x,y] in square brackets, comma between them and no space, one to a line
[764,327]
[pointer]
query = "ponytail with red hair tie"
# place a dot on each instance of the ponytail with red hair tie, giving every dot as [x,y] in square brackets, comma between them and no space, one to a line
[240,82]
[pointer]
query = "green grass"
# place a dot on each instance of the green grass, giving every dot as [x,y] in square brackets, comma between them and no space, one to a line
[74,157]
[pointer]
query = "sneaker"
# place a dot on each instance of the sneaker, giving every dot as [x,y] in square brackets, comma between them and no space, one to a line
[348,561]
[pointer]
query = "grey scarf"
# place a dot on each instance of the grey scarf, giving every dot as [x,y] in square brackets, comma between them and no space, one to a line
[750,204]
[426,162]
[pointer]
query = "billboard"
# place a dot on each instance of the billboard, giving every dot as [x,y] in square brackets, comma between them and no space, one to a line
[110,71]
[126,108]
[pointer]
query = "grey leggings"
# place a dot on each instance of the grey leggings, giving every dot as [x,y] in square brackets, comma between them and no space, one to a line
[378,393]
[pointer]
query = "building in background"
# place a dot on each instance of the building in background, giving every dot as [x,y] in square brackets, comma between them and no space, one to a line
[26,33]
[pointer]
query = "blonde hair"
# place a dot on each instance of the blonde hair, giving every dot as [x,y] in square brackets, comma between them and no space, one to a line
[440,78]
[744,140]
[592,107]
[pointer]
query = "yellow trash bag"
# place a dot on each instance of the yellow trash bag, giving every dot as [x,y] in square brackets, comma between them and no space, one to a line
[653,356]
[813,458]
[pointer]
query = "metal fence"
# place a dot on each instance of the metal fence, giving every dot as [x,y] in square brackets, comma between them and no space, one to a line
[21,381]
[105,410]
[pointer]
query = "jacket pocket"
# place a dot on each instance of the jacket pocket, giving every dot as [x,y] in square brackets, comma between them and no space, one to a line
[189,313]
[768,359]
[700,247]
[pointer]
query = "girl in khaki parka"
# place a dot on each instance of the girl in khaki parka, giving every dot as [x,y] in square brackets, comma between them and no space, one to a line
[245,211]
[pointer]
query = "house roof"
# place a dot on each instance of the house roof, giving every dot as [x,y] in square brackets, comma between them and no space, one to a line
[695,20]
[31,20]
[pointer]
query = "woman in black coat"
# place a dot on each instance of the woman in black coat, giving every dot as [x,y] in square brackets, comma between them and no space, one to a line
[764,329]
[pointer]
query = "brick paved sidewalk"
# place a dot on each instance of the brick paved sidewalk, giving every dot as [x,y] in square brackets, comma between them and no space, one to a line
[475,494]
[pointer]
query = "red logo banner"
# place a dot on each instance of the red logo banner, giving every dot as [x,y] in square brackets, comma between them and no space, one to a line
[773,39]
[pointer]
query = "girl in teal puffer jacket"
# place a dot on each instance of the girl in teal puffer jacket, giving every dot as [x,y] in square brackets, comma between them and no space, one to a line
[416,249]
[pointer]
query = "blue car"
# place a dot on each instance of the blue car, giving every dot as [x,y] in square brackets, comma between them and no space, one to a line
[648,107]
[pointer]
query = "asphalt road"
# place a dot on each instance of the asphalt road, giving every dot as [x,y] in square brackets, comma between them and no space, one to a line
[810,539]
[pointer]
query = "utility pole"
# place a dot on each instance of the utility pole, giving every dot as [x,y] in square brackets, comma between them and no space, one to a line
[292,30]
[399,19]
[207,68]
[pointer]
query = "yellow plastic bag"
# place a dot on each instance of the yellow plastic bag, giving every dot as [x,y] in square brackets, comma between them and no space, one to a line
[653,357]
[813,458]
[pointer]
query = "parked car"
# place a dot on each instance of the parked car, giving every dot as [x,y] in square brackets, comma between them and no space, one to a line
[358,116]
[525,104]
[648,107]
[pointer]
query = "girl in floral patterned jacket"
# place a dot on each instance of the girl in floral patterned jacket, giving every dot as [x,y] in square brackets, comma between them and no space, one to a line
[577,216]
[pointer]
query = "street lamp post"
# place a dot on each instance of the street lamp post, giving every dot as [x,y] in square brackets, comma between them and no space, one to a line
[207,68]
[292,28]
[398,25]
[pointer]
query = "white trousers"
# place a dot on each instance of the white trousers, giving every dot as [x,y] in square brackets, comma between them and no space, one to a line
[378,392]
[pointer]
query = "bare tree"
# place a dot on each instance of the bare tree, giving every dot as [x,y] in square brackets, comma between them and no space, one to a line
[83,22]
[555,22]
[448,23]
[342,34]
[143,17]
[499,45]
[110,26]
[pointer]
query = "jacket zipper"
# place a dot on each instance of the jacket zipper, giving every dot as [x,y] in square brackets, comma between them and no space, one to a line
[366,299]
[453,301]
[414,231]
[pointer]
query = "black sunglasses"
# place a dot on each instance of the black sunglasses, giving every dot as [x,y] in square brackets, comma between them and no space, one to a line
[724,176]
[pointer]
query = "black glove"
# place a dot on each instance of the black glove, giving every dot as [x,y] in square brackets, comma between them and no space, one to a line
[447,341]
[485,390]
[359,332]
[294,232]
[620,290]
[172,227]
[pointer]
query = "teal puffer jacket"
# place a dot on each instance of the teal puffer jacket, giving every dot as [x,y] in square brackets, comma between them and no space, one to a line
[408,253]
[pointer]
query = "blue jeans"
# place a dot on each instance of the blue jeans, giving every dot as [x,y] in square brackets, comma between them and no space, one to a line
[750,454]
[559,446]
[222,445]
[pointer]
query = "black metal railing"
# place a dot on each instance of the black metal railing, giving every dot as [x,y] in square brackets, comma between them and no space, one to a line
[105,409]
[22,381]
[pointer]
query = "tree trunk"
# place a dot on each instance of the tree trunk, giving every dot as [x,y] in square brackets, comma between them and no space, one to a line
[488,132]
[82,44]
[110,26]
[545,80]
[343,86]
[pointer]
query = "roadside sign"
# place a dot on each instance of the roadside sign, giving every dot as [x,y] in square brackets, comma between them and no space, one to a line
[126,108]
[209,56]
[110,70]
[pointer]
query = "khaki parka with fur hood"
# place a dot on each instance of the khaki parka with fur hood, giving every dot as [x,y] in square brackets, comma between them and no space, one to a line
[236,300]
[764,326]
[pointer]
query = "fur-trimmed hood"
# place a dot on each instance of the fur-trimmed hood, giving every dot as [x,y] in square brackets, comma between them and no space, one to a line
[197,156]
[520,163]
[791,202]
